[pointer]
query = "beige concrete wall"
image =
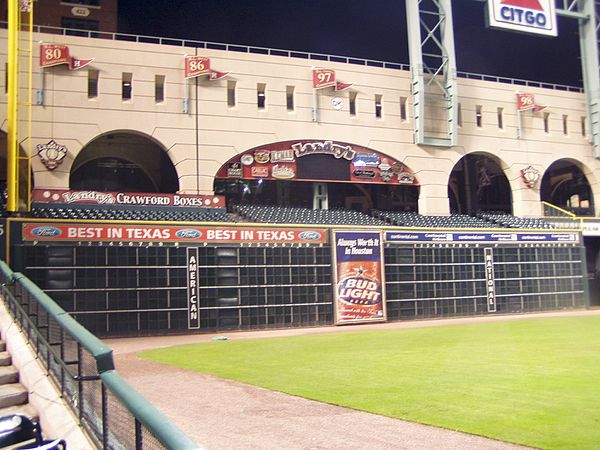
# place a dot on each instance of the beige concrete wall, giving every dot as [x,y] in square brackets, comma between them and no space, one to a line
[72,119]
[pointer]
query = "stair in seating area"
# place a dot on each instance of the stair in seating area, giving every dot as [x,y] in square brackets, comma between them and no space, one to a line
[14,398]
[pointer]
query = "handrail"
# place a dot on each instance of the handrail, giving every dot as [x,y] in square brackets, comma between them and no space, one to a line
[26,301]
[146,413]
[558,208]
[6,271]
[101,353]
[285,53]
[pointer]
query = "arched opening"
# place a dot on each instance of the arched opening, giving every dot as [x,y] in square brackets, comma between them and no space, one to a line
[565,185]
[318,175]
[478,184]
[123,162]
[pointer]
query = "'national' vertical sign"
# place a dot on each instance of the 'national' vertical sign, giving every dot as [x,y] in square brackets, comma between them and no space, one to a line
[490,281]
[527,16]
[192,288]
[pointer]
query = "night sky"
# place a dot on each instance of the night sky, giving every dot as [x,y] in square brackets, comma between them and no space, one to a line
[357,28]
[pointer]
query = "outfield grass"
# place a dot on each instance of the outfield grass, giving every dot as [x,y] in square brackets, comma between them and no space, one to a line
[534,382]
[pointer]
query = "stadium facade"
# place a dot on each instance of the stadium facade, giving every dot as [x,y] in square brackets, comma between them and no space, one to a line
[244,128]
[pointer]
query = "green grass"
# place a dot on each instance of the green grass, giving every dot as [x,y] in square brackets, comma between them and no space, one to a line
[534,382]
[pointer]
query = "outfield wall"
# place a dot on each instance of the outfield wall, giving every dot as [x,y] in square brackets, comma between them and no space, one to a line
[134,279]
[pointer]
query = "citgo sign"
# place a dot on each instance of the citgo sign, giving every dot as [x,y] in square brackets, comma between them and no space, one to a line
[528,16]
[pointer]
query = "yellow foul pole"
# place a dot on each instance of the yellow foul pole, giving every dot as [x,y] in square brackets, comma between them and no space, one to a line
[12,142]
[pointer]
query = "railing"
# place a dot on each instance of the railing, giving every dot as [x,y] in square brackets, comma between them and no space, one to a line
[285,53]
[112,413]
[563,219]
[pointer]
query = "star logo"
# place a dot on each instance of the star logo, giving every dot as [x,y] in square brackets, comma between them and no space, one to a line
[528,4]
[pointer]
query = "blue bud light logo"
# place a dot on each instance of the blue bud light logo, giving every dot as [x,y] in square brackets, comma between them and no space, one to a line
[46,231]
[188,233]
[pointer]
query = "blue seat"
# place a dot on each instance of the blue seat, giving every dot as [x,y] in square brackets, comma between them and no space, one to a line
[17,428]
[57,444]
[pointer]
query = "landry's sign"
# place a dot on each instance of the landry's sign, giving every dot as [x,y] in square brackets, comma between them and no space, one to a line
[180,234]
[129,199]
[289,160]
[359,286]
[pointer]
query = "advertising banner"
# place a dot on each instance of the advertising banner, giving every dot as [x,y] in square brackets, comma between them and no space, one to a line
[289,160]
[471,237]
[192,287]
[527,16]
[165,234]
[359,285]
[125,198]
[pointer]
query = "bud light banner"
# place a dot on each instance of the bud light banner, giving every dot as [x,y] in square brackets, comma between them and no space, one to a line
[359,287]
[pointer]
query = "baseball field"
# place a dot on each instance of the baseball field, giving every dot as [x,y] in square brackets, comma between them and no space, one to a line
[533,382]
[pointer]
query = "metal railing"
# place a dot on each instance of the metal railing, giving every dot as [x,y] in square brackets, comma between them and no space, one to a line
[81,366]
[313,56]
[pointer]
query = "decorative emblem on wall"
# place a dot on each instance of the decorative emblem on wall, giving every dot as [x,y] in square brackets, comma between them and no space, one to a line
[51,154]
[530,176]
[25,6]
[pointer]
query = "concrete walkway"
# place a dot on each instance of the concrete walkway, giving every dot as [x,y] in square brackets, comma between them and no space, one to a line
[222,414]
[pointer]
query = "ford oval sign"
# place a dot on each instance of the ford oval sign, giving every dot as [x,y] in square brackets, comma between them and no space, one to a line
[188,234]
[310,235]
[46,231]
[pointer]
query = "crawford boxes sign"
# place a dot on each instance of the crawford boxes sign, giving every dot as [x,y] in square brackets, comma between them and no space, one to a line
[527,16]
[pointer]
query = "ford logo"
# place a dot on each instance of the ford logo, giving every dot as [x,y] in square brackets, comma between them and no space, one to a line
[188,234]
[46,231]
[310,235]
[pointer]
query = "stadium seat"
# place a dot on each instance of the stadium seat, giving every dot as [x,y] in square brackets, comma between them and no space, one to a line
[17,428]
[57,444]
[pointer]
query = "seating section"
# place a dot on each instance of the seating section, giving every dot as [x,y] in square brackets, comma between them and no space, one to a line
[289,215]
[509,221]
[281,214]
[412,219]
[167,215]
[482,220]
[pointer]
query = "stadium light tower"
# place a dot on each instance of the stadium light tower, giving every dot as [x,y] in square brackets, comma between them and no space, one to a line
[586,11]
[433,71]
[433,65]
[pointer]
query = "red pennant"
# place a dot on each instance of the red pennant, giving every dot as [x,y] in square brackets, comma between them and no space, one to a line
[339,86]
[526,102]
[56,54]
[323,78]
[216,75]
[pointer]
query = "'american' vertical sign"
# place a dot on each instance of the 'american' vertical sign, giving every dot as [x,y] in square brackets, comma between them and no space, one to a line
[192,288]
